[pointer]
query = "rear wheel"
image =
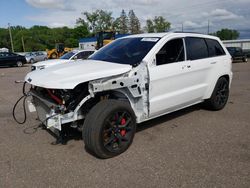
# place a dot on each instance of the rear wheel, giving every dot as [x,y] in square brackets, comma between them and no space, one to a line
[19,63]
[109,128]
[219,96]
[32,61]
[244,59]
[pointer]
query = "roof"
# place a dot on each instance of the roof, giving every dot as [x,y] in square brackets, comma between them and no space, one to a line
[88,39]
[178,34]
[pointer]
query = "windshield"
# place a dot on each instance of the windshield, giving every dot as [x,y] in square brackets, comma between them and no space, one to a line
[68,55]
[28,54]
[125,51]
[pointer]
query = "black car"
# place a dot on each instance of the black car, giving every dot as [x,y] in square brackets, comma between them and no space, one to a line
[11,59]
[237,53]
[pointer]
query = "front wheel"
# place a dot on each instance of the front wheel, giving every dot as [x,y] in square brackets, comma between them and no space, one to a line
[19,63]
[109,128]
[219,96]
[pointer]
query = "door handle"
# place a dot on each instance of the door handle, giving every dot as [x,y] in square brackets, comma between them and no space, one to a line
[186,66]
[213,62]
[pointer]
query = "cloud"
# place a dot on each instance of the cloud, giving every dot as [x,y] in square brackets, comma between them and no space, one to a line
[51,4]
[222,15]
[194,15]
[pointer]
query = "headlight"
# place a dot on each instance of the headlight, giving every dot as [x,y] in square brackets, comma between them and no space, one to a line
[40,67]
[33,68]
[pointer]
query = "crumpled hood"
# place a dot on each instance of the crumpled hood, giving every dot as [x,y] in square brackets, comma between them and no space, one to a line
[69,75]
[51,62]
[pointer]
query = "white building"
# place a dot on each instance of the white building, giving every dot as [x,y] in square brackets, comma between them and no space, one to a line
[87,43]
[243,43]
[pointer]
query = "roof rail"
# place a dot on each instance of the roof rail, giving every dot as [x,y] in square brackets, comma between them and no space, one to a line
[188,32]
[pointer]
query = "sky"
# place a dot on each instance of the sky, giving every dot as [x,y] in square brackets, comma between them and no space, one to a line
[193,15]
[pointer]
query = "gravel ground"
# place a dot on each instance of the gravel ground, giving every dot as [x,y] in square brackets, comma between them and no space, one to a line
[189,148]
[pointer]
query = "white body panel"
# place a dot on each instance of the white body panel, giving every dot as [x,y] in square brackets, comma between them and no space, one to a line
[67,76]
[51,62]
[176,84]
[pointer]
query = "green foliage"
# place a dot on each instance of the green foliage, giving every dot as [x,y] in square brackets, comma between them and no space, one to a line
[42,37]
[134,23]
[227,34]
[121,23]
[158,24]
[97,21]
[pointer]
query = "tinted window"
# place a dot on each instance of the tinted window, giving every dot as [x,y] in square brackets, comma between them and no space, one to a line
[83,55]
[125,51]
[214,48]
[68,55]
[196,48]
[172,51]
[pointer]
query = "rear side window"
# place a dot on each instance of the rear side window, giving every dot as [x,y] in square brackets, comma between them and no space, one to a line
[214,48]
[196,48]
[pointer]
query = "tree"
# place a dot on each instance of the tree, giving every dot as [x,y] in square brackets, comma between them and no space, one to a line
[97,21]
[123,23]
[105,20]
[134,23]
[158,24]
[227,34]
[150,26]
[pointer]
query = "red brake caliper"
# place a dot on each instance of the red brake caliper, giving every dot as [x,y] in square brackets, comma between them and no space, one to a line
[123,122]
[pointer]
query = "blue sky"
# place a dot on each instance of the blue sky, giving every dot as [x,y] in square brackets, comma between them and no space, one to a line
[16,12]
[192,14]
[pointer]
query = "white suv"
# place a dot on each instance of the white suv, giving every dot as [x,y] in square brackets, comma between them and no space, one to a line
[129,81]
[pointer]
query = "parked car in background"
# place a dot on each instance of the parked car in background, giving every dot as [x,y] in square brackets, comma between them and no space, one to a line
[68,57]
[11,59]
[33,57]
[237,53]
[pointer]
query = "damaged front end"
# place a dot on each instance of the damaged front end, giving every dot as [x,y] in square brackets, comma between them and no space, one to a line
[59,106]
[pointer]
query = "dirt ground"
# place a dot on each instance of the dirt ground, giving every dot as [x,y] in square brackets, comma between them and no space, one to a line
[189,148]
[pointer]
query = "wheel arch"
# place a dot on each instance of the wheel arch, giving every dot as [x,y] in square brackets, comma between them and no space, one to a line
[211,88]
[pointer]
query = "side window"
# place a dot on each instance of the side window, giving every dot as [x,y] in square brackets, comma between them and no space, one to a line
[172,51]
[82,55]
[214,48]
[196,48]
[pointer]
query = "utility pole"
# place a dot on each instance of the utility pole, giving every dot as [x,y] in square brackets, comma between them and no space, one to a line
[11,41]
[23,44]
[182,26]
[208,25]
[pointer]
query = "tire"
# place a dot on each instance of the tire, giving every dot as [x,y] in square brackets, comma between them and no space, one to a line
[32,61]
[244,59]
[219,96]
[109,128]
[53,56]
[19,63]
